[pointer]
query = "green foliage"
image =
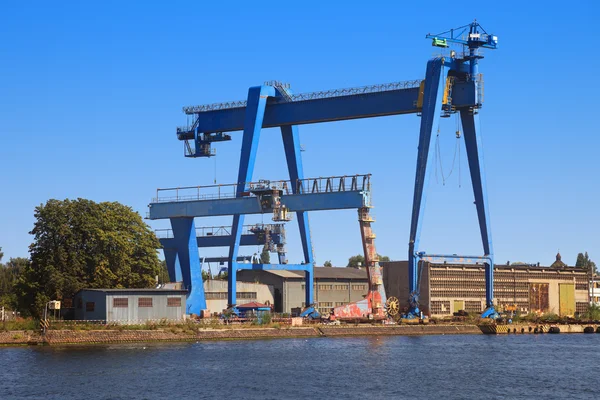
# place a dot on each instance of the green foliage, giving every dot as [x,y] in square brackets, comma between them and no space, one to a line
[163,274]
[205,276]
[19,324]
[584,261]
[82,244]
[265,256]
[223,276]
[353,262]
[1,254]
[9,274]
[356,261]
[549,317]
[327,263]
[593,312]
[265,318]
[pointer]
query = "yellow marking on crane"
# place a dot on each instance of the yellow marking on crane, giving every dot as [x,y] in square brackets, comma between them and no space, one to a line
[447,90]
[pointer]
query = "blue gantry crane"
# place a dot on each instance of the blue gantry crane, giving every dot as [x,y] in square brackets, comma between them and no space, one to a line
[452,85]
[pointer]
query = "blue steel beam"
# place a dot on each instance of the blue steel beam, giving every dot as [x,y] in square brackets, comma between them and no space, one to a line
[274,267]
[224,259]
[213,241]
[473,144]
[184,232]
[250,205]
[378,104]
[252,124]
[173,267]
[432,106]
[291,145]
[444,258]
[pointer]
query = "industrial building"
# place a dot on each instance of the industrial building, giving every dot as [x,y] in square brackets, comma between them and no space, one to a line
[332,286]
[247,292]
[448,288]
[130,306]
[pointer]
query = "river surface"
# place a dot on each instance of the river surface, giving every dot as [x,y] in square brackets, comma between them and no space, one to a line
[397,367]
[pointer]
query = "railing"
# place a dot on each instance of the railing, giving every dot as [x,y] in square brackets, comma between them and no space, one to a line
[324,94]
[302,186]
[218,230]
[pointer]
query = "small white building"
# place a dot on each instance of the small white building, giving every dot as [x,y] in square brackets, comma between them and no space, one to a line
[130,306]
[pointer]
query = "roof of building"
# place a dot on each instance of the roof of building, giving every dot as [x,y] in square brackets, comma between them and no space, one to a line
[558,263]
[252,304]
[340,273]
[324,273]
[153,291]
[519,266]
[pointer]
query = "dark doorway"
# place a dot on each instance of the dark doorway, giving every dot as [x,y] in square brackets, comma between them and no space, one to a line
[278,298]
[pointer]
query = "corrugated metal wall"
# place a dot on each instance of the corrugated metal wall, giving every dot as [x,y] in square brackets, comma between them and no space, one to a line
[90,306]
[116,311]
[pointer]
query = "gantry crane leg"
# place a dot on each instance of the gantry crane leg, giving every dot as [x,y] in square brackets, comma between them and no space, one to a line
[473,144]
[291,145]
[432,106]
[253,122]
[255,111]
[173,266]
[184,234]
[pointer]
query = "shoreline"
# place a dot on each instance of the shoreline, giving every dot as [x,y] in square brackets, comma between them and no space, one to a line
[86,337]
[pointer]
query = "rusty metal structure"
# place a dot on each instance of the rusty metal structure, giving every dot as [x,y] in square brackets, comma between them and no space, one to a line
[375,305]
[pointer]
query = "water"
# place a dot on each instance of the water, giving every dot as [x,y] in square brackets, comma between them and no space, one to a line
[426,367]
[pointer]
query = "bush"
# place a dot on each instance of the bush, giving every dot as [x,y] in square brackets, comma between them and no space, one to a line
[593,312]
[549,317]
[28,324]
[265,318]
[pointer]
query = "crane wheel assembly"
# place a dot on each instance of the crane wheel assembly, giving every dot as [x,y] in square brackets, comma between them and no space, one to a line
[392,306]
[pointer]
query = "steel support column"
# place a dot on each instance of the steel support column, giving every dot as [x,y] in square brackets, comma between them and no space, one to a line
[172,262]
[291,145]
[432,105]
[473,144]
[184,232]
[255,111]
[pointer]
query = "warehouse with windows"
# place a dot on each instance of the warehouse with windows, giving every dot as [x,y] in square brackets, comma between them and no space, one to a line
[449,288]
[333,286]
[130,306]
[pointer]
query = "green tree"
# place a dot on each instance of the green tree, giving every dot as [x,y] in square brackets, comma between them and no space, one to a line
[356,261]
[584,261]
[327,263]
[265,256]
[163,274]
[9,274]
[79,244]
[353,262]
[205,276]
[1,254]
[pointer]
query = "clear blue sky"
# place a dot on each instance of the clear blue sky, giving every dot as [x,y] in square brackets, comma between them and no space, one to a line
[91,94]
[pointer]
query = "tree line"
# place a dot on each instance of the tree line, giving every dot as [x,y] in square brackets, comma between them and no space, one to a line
[80,244]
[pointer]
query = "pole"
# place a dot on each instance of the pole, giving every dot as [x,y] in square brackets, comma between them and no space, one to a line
[593,302]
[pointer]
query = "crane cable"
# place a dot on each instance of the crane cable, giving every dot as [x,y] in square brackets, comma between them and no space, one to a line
[438,156]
